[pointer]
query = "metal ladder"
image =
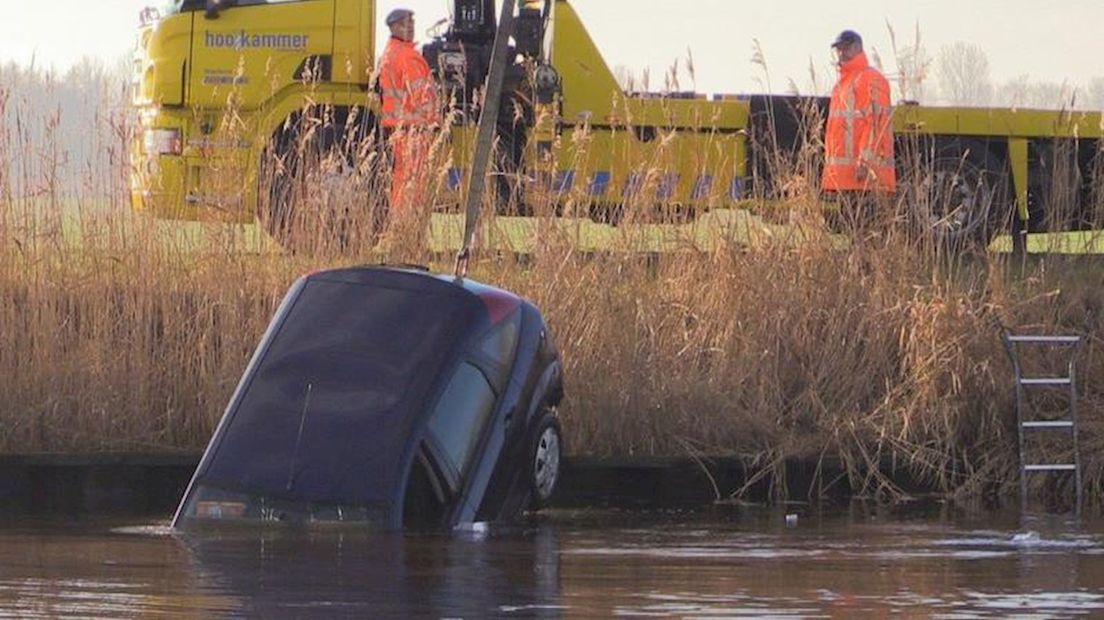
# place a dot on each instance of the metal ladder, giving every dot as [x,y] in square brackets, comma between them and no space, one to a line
[1027,424]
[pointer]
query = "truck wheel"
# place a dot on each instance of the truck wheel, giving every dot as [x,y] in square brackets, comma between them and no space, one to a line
[310,185]
[959,197]
[288,171]
[545,457]
[276,195]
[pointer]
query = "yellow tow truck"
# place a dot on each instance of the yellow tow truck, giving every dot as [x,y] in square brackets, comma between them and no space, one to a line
[223,88]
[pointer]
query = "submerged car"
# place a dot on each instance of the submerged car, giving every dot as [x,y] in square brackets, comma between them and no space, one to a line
[390,396]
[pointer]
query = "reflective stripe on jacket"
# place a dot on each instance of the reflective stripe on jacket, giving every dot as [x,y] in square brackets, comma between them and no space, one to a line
[859,130]
[409,94]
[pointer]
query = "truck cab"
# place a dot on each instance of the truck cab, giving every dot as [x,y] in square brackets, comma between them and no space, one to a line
[213,82]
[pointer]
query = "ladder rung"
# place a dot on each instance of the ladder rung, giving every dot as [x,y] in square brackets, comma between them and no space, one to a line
[1052,467]
[1048,424]
[1045,339]
[1045,381]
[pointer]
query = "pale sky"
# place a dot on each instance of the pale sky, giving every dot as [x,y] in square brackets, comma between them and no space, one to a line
[1043,41]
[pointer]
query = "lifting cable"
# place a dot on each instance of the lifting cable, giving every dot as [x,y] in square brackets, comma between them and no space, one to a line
[488,118]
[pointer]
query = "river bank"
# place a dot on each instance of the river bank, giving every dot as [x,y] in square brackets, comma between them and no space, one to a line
[152,484]
[769,356]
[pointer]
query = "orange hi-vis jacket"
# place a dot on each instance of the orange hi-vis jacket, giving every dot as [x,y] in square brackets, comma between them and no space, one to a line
[409,94]
[860,131]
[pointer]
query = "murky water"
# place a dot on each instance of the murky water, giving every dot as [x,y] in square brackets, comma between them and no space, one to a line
[738,563]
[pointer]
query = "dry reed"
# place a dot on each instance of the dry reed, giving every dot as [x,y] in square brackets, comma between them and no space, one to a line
[120,333]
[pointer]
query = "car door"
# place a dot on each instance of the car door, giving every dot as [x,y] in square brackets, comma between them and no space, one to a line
[461,429]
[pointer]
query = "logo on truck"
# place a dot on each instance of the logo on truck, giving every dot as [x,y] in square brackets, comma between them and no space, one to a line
[244,40]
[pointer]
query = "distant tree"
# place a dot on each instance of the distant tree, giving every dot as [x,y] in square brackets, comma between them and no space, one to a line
[913,62]
[912,73]
[1022,92]
[962,70]
[1095,94]
[76,123]
[624,77]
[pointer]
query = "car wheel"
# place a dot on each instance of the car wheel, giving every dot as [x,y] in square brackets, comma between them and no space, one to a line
[544,462]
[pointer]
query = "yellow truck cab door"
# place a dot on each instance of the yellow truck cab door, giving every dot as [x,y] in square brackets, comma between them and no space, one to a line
[252,49]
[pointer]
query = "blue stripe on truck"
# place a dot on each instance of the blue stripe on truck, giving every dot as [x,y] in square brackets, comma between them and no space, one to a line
[599,184]
[702,187]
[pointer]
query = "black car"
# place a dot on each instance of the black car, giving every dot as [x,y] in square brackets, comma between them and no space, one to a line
[390,396]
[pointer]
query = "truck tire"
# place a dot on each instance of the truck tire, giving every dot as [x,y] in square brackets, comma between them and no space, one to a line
[958,196]
[278,168]
[308,155]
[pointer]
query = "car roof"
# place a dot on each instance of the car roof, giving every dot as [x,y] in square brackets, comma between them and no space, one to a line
[498,302]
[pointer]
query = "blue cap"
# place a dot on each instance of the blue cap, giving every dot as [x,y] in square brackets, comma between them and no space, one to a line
[847,37]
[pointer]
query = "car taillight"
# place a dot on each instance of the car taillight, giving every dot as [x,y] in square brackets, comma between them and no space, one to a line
[162,141]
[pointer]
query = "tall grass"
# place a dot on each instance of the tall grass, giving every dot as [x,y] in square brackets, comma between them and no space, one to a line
[120,333]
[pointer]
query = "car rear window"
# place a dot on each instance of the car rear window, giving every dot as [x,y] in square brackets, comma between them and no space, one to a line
[327,414]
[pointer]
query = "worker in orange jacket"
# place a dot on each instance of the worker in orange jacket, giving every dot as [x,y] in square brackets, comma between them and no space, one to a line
[858,143]
[409,116]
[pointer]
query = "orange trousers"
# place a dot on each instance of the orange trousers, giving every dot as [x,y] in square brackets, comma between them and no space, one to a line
[410,173]
[408,213]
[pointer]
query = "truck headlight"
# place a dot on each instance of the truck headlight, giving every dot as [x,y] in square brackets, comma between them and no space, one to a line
[162,142]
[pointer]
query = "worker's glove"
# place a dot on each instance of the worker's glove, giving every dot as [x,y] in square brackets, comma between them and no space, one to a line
[864,173]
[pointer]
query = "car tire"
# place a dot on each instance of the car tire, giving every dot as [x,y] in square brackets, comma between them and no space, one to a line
[545,460]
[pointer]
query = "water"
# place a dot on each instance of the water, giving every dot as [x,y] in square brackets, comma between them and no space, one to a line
[733,563]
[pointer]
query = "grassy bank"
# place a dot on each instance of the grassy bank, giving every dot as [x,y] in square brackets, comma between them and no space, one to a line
[118,333]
